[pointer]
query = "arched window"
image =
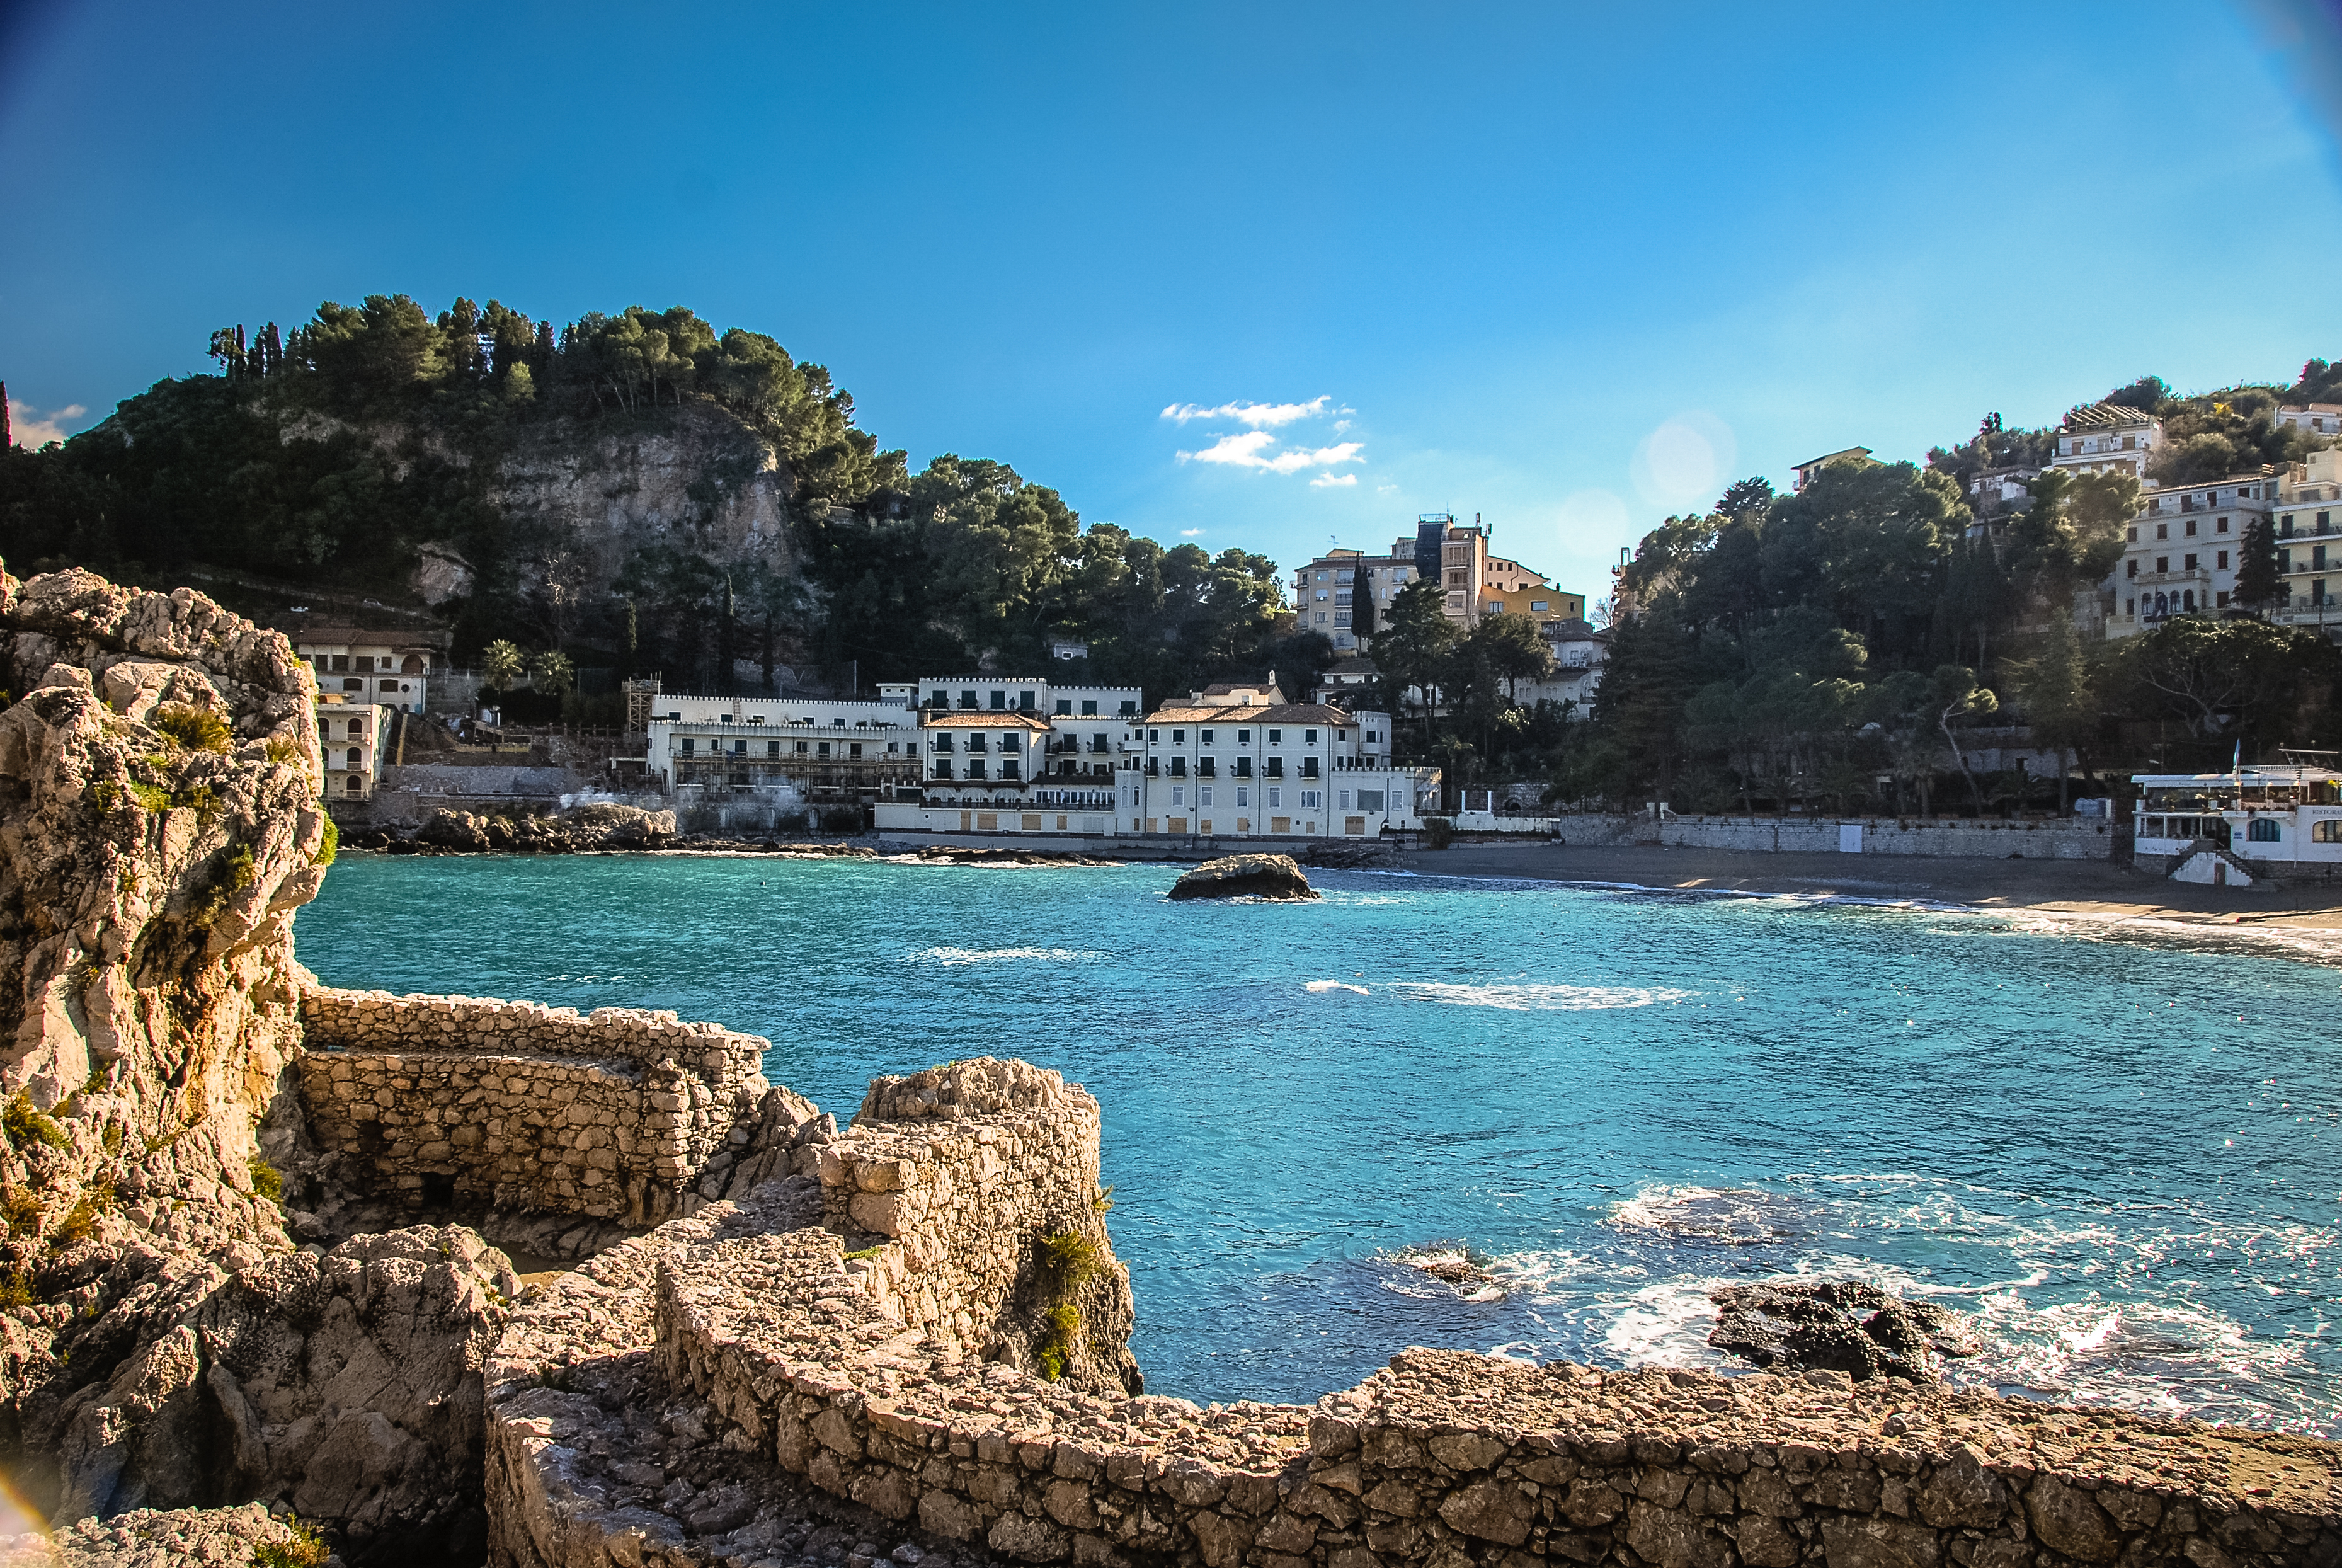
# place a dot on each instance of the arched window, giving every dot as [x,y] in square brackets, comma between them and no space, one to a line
[412,665]
[2327,831]
[2265,830]
[355,757]
[353,785]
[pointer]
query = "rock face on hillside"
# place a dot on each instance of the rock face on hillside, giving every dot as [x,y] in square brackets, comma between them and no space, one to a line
[158,825]
[1273,877]
[589,496]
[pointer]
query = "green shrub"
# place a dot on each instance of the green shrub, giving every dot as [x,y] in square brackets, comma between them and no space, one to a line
[197,729]
[305,1548]
[268,1181]
[1073,1258]
[112,1137]
[329,845]
[1057,1348]
[280,749]
[151,797]
[22,1122]
[240,873]
[17,1290]
[22,1212]
[81,1220]
[866,1253]
[1437,831]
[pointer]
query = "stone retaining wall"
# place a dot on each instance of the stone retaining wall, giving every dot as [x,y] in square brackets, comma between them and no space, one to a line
[817,1367]
[2067,838]
[460,1101]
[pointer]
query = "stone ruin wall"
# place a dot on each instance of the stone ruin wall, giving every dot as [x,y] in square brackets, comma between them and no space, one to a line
[623,1114]
[831,1370]
[962,1172]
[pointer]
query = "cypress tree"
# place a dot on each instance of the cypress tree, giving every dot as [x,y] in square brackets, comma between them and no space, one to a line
[1362,603]
[2258,586]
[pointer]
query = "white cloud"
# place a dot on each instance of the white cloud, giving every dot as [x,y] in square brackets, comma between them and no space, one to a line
[1256,414]
[32,431]
[1327,481]
[1242,451]
[1191,533]
[1251,450]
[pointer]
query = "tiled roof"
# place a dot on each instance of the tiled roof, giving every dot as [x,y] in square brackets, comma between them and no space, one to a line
[1351,667]
[1284,713]
[980,718]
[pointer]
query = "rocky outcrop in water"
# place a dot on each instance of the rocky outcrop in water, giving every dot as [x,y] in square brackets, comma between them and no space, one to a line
[1269,877]
[601,826]
[1836,1325]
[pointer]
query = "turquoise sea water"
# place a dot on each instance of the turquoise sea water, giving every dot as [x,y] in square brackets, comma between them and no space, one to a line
[2119,1156]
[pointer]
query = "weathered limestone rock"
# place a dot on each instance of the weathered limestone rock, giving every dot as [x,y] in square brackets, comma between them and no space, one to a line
[148,1538]
[158,827]
[1271,877]
[1836,1325]
[599,826]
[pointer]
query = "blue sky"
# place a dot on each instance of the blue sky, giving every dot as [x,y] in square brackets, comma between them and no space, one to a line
[1569,268]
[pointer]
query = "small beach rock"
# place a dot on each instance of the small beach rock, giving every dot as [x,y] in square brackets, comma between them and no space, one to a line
[1273,877]
[1836,1325]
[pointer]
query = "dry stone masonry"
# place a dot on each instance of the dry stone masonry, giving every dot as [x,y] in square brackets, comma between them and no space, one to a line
[620,1114]
[790,1363]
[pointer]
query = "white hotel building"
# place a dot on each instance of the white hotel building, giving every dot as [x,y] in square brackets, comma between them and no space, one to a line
[1232,761]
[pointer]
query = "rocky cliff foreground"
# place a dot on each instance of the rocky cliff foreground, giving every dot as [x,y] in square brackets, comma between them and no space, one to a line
[246,1278]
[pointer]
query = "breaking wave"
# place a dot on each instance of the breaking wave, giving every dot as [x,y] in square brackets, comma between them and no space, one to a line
[1540,997]
[957,958]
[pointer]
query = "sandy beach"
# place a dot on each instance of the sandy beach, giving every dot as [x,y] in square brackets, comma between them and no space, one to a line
[2092,888]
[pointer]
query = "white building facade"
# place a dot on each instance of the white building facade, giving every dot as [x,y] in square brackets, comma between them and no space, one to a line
[2309,543]
[367,666]
[1232,761]
[350,733]
[2181,554]
[2107,438]
[1324,592]
[1237,760]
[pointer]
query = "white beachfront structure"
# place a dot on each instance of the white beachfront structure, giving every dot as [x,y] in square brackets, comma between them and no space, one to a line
[2283,816]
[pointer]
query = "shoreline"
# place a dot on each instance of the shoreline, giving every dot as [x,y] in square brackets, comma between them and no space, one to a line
[2085,889]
